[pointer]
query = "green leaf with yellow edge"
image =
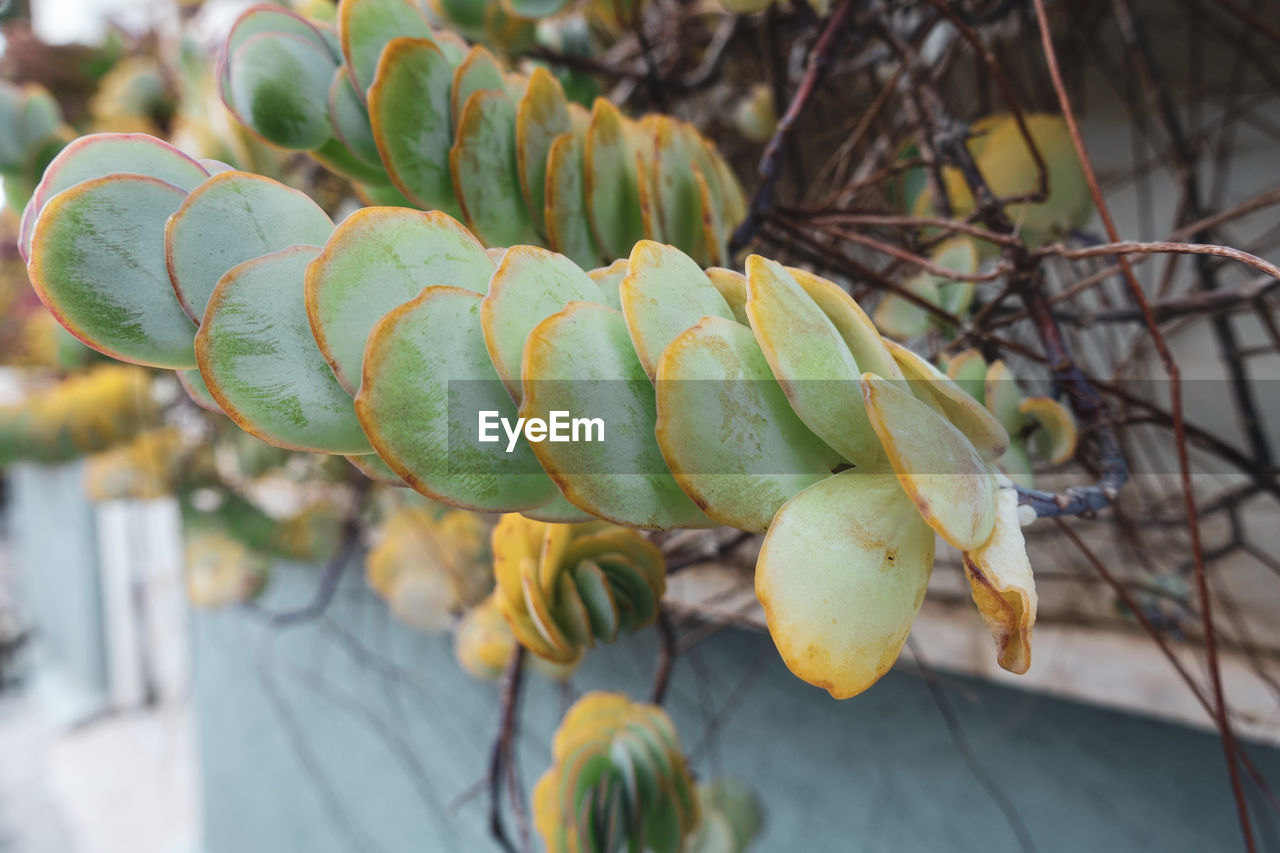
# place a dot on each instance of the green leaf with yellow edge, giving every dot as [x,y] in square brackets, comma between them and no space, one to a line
[485,177]
[609,279]
[900,317]
[1056,435]
[1002,584]
[100,154]
[679,202]
[841,575]
[565,212]
[97,262]
[613,199]
[365,27]
[869,349]
[759,454]
[811,361]
[733,287]
[938,467]
[961,255]
[1003,396]
[335,157]
[350,118]
[558,511]
[409,108]
[947,397]
[541,116]
[408,409]
[663,294]
[261,364]
[535,8]
[589,343]
[1010,170]
[478,72]
[378,258]
[231,218]
[969,370]
[280,88]
[511,34]
[529,286]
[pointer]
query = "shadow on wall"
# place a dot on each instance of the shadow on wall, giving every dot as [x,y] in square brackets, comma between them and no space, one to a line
[354,733]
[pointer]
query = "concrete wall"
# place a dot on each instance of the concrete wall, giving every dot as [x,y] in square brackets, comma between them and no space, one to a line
[55,552]
[354,733]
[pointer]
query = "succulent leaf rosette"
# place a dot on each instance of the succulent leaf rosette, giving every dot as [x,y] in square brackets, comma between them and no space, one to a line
[416,116]
[562,587]
[618,781]
[765,400]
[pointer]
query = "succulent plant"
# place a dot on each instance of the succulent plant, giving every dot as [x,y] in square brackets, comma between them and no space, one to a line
[221,570]
[562,587]
[430,566]
[143,469]
[1006,163]
[1038,426]
[766,401]
[901,318]
[103,407]
[413,113]
[31,133]
[618,780]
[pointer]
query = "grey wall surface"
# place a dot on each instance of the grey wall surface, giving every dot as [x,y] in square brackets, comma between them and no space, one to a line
[355,734]
[55,552]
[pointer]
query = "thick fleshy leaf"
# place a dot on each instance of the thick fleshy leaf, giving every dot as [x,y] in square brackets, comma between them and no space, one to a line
[937,466]
[609,280]
[609,165]
[900,317]
[372,466]
[733,202]
[969,370]
[733,287]
[558,511]
[193,383]
[478,72]
[416,421]
[378,258]
[727,431]
[485,178]
[1010,170]
[409,107]
[565,208]
[366,26]
[335,157]
[1002,396]
[623,478]
[714,234]
[257,20]
[859,333]
[1056,434]
[97,261]
[280,88]
[679,201]
[664,293]
[229,219]
[841,576]
[350,118]
[530,285]
[541,116]
[959,254]
[261,364]
[946,396]
[1003,587]
[102,154]
[810,360]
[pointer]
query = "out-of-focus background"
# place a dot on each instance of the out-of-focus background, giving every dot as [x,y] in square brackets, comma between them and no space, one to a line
[154,700]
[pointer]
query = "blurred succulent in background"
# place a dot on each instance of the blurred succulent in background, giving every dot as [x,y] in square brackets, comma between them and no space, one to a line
[730,818]
[901,318]
[482,640]
[32,132]
[221,570]
[1039,427]
[756,114]
[618,780]
[146,468]
[1010,171]
[430,564]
